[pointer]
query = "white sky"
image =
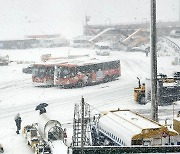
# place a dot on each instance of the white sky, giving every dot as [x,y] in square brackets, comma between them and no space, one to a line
[68,16]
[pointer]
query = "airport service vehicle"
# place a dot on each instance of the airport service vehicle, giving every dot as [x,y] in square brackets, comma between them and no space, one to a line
[81,72]
[139,93]
[168,90]
[4,60]
[102,49]
[28,69]
[80,42]
[42,135]
[127,128]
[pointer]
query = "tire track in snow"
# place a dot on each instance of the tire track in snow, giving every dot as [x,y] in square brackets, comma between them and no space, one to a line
[98,93]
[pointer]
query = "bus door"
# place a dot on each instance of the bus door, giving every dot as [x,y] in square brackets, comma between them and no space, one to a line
[50,75]
[61,75]
[99,72]
[72,76]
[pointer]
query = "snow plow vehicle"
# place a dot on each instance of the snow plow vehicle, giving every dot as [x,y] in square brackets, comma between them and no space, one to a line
[139,93]
[168,90]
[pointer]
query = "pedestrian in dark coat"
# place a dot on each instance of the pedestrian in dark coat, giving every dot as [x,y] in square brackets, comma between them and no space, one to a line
[1,149]
[18,123]
[42,110]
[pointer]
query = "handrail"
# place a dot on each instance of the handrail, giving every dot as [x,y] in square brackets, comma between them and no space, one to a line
[171,43]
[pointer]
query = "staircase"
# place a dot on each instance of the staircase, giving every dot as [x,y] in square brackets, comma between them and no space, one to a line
[81,133]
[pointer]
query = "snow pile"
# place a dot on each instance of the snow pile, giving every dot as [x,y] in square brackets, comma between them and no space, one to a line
[58,147]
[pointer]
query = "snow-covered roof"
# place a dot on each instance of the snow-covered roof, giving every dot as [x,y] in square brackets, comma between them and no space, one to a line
[86,61]
[126,124]
[135,120]
[102,44]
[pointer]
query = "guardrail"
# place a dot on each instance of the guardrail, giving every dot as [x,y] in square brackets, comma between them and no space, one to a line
[118,150]
[171,43]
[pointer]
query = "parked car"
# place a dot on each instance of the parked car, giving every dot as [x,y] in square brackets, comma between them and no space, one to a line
[28,70]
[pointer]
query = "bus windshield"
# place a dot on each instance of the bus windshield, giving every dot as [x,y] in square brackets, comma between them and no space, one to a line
[39,71]
[104,47]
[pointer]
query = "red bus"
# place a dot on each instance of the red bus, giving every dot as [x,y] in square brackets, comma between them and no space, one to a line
[79,73]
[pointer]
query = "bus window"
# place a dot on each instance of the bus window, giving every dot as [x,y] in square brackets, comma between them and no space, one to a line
[42,71]
[58,71]
[100,66]
[72,72]
[104,47]
[80,69]
[62,72]
[88,68]
[95,67]
[106,66]
[50,71]
[35,71]
[114,64]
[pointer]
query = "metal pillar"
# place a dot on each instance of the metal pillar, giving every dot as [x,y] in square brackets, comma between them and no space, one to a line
[179,11]
[154,103]
[82,124]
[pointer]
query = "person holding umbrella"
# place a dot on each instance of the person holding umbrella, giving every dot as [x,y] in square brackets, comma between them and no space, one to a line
[41,108]
[18,122]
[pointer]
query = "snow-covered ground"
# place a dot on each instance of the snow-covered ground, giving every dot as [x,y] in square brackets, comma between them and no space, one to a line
[18,95]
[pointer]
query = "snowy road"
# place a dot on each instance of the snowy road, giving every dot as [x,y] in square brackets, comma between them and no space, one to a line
[17,94]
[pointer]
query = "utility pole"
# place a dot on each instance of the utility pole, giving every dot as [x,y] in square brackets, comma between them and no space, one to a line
[87,19]
[179,11]
[82,125]
[154,103]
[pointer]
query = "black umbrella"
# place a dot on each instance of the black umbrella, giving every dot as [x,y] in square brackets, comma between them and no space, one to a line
[41,105]
[44,104]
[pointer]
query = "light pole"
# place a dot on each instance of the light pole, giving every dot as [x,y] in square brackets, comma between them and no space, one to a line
[179,11]
[154,103]
[109,21]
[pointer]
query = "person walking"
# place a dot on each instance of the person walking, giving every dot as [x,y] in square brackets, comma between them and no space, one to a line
[18,123]
[147,50]
[42,110]
[65,136]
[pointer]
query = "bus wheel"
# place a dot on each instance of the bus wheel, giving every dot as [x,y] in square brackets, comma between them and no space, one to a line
[106,79]
[80,84]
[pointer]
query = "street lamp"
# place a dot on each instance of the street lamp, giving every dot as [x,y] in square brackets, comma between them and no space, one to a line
[154,103]
[109,21]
